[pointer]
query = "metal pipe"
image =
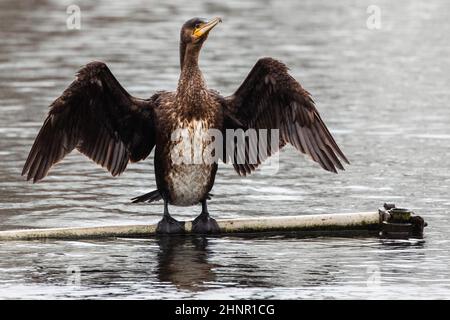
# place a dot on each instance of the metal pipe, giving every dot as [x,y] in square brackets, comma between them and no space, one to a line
[324,223]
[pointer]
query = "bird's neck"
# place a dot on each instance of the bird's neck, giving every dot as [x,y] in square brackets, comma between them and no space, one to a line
[191,81]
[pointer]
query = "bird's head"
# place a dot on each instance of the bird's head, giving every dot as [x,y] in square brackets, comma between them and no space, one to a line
[196,30]
[193,34]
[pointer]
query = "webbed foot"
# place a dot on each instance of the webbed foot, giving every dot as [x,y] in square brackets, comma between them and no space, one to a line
[205,224]
[170,225]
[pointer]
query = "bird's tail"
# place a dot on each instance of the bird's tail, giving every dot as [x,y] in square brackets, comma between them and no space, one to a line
[155,195]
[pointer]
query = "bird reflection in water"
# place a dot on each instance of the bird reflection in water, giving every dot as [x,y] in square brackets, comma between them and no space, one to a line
[183,261]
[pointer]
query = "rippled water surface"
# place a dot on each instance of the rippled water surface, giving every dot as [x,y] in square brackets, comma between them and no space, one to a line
[383,93]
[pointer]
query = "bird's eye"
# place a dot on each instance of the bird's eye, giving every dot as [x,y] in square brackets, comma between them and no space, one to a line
[197,25]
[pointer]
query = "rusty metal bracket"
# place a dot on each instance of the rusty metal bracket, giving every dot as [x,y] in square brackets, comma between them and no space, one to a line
[400,223]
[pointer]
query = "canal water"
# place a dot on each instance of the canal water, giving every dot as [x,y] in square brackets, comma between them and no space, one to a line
[383,90]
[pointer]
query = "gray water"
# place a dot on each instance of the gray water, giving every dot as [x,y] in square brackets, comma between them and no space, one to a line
[383,93]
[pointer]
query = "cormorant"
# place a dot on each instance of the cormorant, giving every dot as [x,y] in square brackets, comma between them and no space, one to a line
[99,118]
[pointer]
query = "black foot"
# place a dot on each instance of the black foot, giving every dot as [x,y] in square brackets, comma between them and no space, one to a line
[205,224]
[170,225]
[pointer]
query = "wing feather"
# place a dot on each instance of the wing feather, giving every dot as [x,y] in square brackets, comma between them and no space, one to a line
[269,98]
[98,117]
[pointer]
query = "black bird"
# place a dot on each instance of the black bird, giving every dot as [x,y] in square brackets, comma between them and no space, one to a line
[99,118]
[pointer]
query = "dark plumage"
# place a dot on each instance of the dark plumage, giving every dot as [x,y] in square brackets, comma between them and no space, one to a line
[98,117]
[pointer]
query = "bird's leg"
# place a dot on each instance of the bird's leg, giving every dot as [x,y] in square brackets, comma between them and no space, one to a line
[204,223]
[169,224]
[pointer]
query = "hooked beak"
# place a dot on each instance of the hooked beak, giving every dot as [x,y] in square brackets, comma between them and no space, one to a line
[205,28]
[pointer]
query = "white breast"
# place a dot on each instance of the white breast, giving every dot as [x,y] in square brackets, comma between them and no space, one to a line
[191,170]
[189,184]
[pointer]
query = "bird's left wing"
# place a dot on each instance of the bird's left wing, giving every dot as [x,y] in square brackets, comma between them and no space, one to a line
[96,115]
[269,98]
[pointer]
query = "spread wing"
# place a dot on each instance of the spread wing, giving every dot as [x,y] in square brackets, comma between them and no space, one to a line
[99,118]
[269,98]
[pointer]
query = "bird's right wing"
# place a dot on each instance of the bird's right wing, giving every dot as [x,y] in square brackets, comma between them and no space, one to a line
[270,98]
[97,116]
